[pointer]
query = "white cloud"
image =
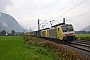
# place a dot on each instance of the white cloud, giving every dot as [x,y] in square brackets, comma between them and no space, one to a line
[27,12]
[4,4]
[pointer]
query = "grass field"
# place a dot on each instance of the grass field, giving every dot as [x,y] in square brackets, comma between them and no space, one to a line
[14,48]
[31,48]
[83,36]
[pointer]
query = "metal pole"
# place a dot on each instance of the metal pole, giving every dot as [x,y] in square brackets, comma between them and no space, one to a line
[38,28]
[64,20]
[38,25]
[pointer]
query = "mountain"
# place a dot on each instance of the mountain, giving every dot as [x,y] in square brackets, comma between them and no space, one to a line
[86,28]
[8,23]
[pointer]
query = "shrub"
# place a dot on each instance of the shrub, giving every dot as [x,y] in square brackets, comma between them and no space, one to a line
[51,49]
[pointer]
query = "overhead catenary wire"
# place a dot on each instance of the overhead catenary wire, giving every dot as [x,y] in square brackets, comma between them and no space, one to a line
[71,9]
[81,15]
[74,7]
[58,13]
[62,8]
[81,8]
[65,6]
[43,22]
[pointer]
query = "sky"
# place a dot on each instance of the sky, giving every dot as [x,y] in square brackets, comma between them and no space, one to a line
[27,12]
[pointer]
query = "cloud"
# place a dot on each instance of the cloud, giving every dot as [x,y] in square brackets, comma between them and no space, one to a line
[26,12]
[4,4]
[38,7]
[41,4]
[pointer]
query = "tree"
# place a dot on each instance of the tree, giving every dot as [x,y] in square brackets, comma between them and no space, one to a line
[12,32]
[3,33]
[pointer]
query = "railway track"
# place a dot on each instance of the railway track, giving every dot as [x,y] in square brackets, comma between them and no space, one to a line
[82,45]
[78,44]
[83,41]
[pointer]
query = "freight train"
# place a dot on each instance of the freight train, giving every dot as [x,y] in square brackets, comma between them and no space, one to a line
[60,33]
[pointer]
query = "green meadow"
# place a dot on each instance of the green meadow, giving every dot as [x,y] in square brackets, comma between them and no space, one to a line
[14,48]
[31,48]
[83,36]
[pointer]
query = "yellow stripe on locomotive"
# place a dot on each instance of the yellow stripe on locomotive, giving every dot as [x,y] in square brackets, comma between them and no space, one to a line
[59,32]
[47,33]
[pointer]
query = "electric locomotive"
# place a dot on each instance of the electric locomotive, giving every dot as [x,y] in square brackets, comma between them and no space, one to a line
[60,32]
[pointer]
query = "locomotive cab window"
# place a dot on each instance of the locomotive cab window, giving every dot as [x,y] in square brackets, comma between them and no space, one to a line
[69,28]
[66,28]
[58,29]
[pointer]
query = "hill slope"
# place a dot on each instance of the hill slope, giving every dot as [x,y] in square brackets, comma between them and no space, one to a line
[8,23]
[86,28]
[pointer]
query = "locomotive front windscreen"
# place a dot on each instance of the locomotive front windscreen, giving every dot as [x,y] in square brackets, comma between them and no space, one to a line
[66,28]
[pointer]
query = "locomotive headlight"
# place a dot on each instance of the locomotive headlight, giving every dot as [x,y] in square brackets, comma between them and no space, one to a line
[73,34]
[64,35]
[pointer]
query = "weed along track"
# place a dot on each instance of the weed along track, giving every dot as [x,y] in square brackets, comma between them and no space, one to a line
[61,51]
[82,47]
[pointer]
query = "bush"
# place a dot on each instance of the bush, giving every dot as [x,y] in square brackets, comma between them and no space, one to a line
[50,49]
